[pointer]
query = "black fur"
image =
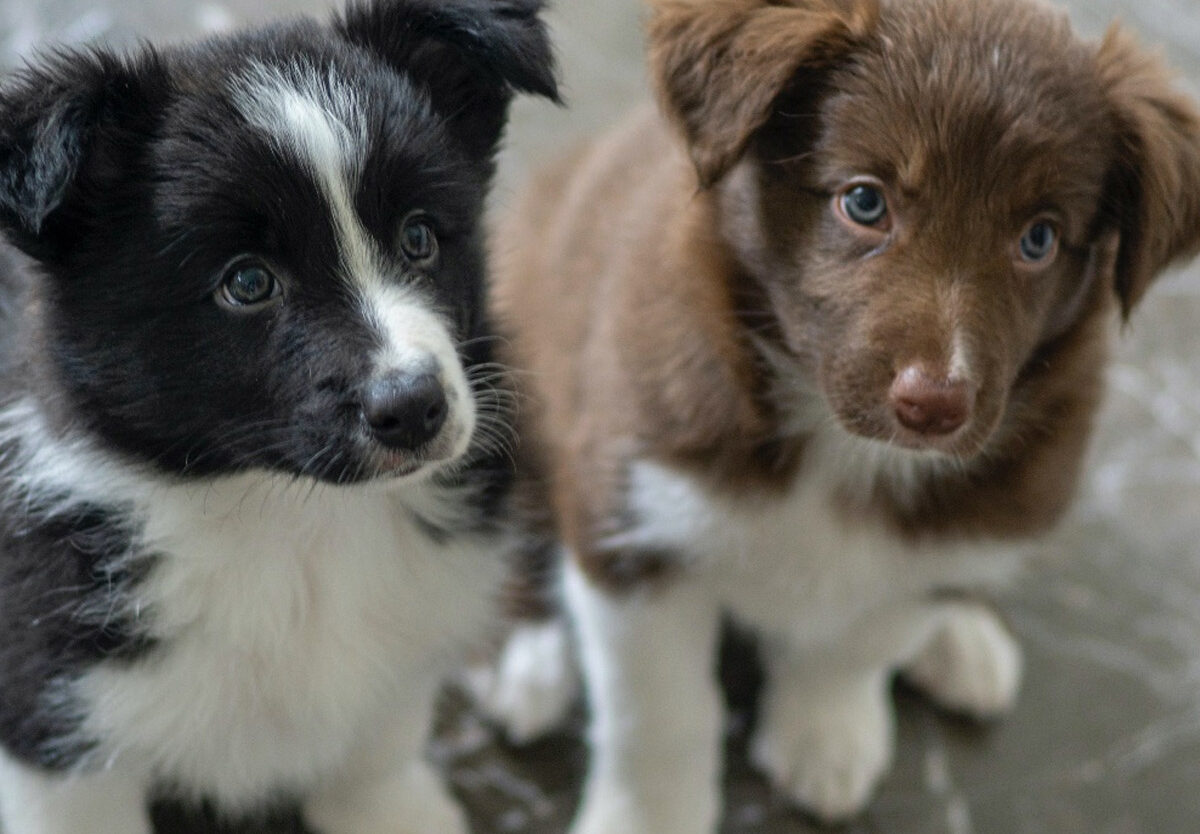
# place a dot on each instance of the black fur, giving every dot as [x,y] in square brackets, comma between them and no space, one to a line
[130,182]
[134,182]
[504,52]
[59,584]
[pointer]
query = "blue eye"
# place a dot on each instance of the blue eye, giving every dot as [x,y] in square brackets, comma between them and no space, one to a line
[247,284]
[865,205]
[1039,243]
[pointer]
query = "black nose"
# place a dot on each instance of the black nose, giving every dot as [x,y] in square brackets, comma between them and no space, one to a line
[405,411]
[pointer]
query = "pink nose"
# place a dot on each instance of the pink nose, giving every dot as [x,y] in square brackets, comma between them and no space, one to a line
[929,405]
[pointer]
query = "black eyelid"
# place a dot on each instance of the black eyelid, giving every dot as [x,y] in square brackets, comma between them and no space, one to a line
[246,259]
[421,216]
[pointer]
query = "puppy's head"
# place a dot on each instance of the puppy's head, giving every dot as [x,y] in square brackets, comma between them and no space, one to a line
[264,251]
[935,196]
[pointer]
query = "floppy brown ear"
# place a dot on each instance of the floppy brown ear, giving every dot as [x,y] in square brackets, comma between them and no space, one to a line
[1155,192]
[719,65]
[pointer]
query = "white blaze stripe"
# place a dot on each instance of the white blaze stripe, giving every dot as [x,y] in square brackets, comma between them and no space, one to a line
[961,364]
[318,121]
[318,124]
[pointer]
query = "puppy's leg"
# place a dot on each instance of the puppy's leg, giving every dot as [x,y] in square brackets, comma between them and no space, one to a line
[33,802]
[531,687]
[388,787]
[972,664]
[826,732]
[826,735]
[656,716]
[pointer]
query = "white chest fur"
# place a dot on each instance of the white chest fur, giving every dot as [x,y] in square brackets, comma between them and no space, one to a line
[791,563]
[291,621]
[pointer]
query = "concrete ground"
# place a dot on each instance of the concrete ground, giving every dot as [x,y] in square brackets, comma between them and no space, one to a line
[1106,738]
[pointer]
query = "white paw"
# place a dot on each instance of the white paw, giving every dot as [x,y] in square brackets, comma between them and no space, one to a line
[827,747]
[108,802]
[609,815]
[411,802]
[532,685]
[972,665]
[610,808]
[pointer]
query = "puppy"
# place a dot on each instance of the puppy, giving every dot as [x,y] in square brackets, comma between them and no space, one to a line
[818,348]
[254,456]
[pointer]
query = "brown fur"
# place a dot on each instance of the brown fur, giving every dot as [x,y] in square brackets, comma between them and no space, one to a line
[647,278]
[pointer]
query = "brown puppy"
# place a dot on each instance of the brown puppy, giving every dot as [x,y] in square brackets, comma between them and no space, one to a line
[818,351]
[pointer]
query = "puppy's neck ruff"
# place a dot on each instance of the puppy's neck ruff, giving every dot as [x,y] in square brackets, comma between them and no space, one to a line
[310,589]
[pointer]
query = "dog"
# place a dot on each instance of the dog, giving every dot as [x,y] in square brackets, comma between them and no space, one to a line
[254,441]
[816,347]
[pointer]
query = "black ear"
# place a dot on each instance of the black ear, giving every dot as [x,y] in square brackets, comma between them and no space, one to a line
[471,55]
[67,126]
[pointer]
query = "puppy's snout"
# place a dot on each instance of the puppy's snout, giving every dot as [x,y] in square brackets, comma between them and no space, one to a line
[931,405]
[404,411]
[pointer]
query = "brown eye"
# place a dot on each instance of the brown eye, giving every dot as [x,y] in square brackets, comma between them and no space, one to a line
[248,283]
[417,239]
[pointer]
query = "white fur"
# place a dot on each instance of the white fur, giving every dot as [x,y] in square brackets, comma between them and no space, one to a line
[533,684]
[840,603]
[317,120]
[825,736]
[297,622]
[416,338]
[656,726]
[793,566]
[972,665]
[412,801]
[376,794]
[302,629]
[962,362]
[103,803]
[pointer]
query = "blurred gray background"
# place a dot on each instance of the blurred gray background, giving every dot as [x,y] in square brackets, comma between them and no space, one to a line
[1106,739]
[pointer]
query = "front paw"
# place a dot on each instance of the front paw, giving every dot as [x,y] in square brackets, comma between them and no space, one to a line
[826,747]
[972,665]
[607,815]
[411,802]
[532,685]
[659,805]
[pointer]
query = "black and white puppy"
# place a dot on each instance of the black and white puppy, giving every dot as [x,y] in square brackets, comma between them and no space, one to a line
[251,444]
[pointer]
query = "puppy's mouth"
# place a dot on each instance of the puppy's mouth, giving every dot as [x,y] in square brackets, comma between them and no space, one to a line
[356,458]
[391,464]
[961,443]
[385,463]
[878,427]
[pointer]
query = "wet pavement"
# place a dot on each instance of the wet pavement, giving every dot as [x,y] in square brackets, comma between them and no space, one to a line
[1106,737]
